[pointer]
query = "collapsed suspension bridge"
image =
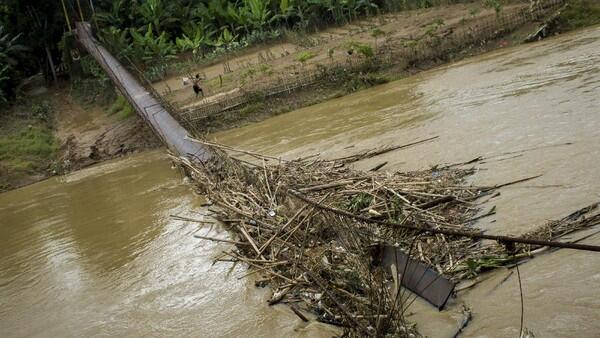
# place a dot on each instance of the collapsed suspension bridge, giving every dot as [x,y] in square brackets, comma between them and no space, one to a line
[151,109]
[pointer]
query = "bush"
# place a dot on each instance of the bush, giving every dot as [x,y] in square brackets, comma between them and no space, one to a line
[121,108]
[118,105]
[42,111]
[126,112]
[156,72]
[93,85]
[579,13]
[252,108]
[93,91]
[257,37]
[495,4]
[363,49]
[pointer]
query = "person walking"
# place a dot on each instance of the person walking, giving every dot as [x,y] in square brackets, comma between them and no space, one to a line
[197,89]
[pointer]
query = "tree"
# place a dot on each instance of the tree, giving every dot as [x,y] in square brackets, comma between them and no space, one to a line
[257,13]
[10,54]
[157,14]
[151,48]
[4,78]
[196,38]
[10,49]
[41,24]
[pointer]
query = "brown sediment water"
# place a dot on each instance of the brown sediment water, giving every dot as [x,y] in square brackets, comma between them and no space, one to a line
[528,110]
[95,253]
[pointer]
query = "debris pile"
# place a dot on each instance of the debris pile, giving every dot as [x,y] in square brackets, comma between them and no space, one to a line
[311,228]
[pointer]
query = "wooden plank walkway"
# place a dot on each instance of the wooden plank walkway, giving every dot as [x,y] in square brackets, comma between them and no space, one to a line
[153,111]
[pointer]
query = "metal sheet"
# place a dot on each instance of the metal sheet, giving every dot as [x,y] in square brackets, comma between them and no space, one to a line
[416,276]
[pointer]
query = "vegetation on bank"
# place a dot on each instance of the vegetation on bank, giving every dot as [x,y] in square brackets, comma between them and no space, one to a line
[156,34]
[577,14]
[121,108]
[27,143]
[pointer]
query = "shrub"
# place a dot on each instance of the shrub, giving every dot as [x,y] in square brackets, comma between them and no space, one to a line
[121,108]
[579,13]
[363,49]
[305,56]
[42,111]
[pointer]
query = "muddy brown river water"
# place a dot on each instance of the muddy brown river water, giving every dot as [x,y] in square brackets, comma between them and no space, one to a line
[95,253]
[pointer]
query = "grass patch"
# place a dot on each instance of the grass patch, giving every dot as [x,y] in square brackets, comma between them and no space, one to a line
[265,69]
[360,48]
[126,112]
[251,72]
[218,82]
[121,108]
[252,108]
[247,74]
[359,202]
[305,56]
[27,143]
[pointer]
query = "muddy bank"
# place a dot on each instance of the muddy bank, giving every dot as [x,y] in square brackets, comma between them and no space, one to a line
[262,109]
[343,83]
[89,134]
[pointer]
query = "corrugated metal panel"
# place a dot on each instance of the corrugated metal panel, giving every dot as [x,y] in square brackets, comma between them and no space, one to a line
[416,276]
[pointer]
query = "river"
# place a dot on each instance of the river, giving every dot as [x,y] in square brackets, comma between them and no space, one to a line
[95,253]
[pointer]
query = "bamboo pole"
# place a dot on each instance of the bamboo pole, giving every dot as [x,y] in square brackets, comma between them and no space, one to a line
[80,12]
[66,15]
[449,232]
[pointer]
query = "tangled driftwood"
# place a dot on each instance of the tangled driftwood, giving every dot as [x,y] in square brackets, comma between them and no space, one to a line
[308,227]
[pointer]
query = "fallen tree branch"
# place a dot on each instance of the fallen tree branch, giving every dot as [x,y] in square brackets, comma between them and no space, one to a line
[449,232]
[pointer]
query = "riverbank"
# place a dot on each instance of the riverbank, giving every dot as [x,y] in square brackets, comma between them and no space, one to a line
[27,145]
[342,60]
[84,133]
[338,61]
[53,133]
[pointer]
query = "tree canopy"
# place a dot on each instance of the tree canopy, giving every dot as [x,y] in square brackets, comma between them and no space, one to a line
[152,31]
